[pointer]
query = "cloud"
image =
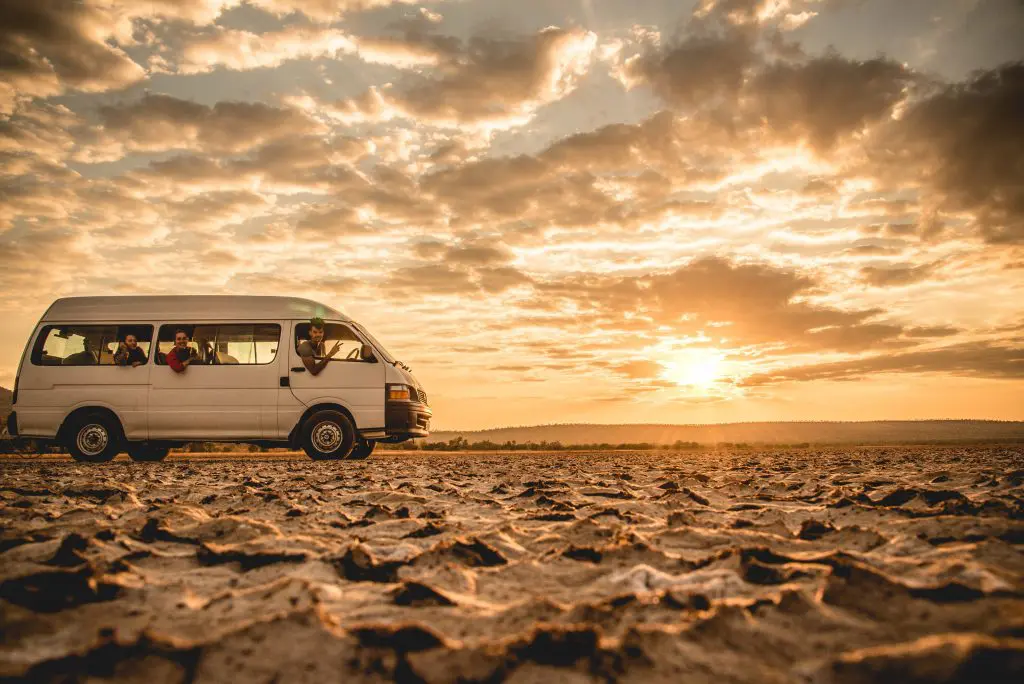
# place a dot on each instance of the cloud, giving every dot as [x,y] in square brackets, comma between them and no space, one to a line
[964,144]
[415,50]
[786,14]
[325,10]
[896,275]
[458,270]
[697,73]
[740,303]
[241,50]
[38,132]
[215,209]
[477,255]
[330,223]
[639,370]
[46,45]
[975,359]
[815,100]
[492,84]
[932,331]
[161,122]
[825,98]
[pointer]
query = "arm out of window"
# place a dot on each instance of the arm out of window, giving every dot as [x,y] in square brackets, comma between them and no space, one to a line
[174,362]
[313,366]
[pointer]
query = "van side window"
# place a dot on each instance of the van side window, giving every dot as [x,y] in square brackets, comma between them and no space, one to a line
[333,332]
[224,344]
[86,345]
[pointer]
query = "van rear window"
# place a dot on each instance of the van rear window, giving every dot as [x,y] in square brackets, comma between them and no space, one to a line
[223,344]
[92,345]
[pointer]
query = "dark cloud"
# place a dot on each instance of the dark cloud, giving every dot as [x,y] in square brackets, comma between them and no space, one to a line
[490,82]
[477,255]
[432,278]
[497,280]
[897,274]
[932,331]
[47,44]
[825,98]
[163,122]
[699,72]
[680,149]
[331,223]
[978,359]
[215,208]
[965,144]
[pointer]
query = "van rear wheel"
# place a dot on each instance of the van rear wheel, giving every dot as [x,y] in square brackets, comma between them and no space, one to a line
[362,449]
[328,435]
[93,438]
[147,451]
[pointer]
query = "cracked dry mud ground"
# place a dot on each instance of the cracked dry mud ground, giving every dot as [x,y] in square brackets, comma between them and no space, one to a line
[810,565]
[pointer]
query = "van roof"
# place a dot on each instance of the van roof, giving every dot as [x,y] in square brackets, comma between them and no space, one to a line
[185,308]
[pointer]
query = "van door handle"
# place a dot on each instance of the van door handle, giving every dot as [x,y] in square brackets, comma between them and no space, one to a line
[298,369]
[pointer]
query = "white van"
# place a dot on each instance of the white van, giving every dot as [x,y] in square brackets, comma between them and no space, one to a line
[245,382]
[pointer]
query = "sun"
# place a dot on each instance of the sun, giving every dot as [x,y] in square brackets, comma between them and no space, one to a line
[698,368]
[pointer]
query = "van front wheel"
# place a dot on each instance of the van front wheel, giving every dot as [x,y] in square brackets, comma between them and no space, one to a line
[93,438]
[328,435]
[146,451]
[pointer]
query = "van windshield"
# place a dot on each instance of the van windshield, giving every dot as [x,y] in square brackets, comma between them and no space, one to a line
[373,340]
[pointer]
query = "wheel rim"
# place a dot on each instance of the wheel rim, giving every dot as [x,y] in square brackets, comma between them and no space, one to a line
[92,439]
[326,437]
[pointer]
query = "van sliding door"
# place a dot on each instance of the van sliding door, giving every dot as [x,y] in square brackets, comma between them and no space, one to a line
[228,391]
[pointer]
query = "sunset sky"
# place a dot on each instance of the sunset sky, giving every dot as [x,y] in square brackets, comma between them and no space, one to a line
[553,211]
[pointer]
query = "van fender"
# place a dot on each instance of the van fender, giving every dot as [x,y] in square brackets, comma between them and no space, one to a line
[85,405]
[320,404]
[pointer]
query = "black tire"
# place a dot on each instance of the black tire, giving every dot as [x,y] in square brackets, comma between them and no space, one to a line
[328,436]
[93,437]
[362,449]
[147,451]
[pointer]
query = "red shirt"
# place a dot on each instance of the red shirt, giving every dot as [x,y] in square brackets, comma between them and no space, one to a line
[174,359]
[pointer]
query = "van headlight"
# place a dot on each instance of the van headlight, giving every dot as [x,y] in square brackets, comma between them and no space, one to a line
[399,393]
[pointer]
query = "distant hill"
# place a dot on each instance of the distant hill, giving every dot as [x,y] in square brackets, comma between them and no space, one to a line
[6,398]
[869,432]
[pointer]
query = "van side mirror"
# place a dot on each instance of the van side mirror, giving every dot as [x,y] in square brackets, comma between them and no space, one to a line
[366,353]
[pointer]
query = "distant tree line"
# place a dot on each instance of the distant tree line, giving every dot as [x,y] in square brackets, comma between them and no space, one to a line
[462,444]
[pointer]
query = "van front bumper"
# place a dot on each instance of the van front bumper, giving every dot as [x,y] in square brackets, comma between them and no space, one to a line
[407,419]
[12,424]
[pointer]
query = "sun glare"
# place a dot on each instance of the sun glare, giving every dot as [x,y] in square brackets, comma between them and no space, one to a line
[699,368]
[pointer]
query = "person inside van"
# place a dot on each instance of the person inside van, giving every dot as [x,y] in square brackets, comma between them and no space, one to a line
[181,355]
[313,349]
[206,354]
[129,353]
[86,357]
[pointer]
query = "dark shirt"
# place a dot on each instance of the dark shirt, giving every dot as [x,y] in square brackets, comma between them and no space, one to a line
[127,357]
[307,348]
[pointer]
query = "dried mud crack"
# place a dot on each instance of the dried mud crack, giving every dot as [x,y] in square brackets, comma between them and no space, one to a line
[806,565]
